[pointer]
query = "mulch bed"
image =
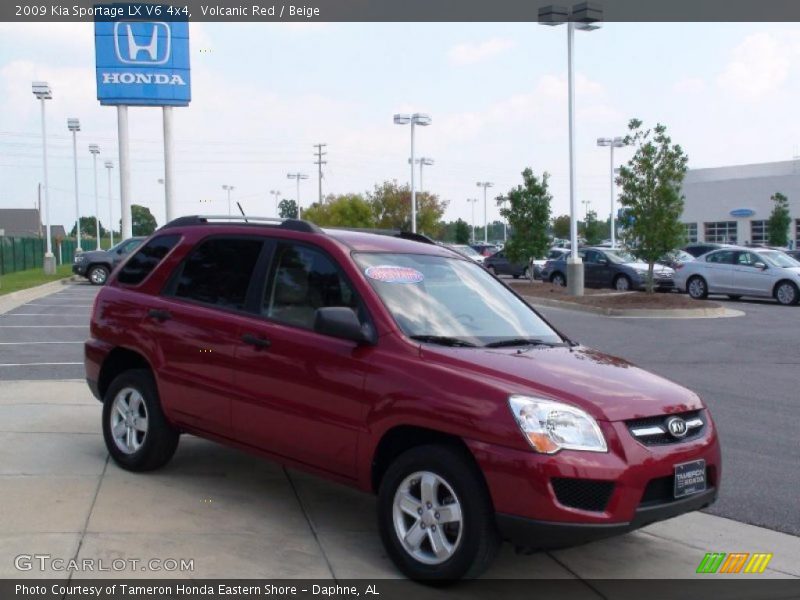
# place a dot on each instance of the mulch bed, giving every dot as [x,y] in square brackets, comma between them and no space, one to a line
[609,299]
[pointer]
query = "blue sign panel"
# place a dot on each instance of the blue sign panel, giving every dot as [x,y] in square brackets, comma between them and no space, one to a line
[142,62]
[743,212]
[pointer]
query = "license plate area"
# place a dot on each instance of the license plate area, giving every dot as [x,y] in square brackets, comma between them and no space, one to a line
[690,478]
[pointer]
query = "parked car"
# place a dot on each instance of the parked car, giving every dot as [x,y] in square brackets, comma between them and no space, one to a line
[399,368]
[499,264]
[699,248]
[538,263]
[795,254]
[604,267]
[467,251]
[484,249]
[96,265]
[739,271]
[675,258]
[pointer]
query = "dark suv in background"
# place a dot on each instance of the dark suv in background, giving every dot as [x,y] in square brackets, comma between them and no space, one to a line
[96,265]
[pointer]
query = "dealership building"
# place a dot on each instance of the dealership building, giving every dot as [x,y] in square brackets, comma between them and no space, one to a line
[732,204]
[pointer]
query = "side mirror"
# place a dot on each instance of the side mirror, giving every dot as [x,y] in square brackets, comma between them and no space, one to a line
[760,265]
[602,261]
[341,322]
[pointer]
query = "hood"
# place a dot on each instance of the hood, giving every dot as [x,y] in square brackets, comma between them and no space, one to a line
[642,266]
[608,388]
[96,255]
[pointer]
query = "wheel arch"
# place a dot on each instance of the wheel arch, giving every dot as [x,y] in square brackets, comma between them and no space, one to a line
[118,361]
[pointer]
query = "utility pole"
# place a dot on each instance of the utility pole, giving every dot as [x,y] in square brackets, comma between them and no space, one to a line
[319,162]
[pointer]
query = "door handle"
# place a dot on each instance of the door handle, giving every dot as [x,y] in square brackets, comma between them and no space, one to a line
[159,314]
[258,342]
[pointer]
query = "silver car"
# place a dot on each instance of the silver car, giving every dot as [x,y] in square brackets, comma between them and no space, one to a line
[738,271]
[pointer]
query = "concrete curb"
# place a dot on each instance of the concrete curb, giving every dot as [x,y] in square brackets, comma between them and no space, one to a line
[15,299]
[652,313]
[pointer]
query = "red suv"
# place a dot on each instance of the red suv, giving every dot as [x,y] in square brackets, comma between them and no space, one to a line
[398,367]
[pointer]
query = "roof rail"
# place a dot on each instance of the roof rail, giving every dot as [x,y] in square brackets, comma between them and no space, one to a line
[290,224]
[406,235]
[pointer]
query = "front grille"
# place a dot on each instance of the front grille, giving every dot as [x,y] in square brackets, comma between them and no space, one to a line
[585,494]
[652,438]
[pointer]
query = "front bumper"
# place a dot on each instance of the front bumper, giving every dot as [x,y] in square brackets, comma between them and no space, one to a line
[79,269]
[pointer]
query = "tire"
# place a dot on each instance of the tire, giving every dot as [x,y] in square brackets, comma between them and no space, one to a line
[734,296]
[622,283]
[135,449]
[697,288]
[98,274]
[558,279]
[468,545]
[786,293]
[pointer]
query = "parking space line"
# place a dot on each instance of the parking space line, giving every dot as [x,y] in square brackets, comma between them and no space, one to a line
[31,343]
[44,364]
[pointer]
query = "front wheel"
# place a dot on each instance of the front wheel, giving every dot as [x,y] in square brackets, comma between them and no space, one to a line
[786,293]
[98,274]
[697,288]
[435,516]
[622,283]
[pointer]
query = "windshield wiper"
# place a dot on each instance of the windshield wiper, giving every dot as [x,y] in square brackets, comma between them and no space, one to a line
[521,342]
[443,340]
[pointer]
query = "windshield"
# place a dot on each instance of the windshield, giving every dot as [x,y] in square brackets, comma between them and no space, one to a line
[439,297]
[620,256]
[779,259]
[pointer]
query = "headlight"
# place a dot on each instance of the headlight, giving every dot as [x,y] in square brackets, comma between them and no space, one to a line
[552,426]
[79,258]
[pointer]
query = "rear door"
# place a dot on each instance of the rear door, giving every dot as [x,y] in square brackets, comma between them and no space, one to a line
[195,323]
[718,270]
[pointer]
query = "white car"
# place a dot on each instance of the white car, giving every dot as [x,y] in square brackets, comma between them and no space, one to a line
[465,250]
[737,271]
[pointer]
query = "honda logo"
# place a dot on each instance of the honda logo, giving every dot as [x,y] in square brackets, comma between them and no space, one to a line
[676,427]
[142,42]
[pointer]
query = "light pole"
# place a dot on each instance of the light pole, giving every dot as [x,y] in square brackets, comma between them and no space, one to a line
[275,193]
[110,165]
[95,150]
[484,185]
[298,177]
[229,189]
[43,92]
[472,202]
[74,125]
[617,142]
[586,17]
[503,200]
[422,120]
[422,161]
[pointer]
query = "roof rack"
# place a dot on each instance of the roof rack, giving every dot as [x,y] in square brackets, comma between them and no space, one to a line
[291,224]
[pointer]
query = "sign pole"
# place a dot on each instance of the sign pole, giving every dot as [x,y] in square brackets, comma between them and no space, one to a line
[168,180]
[124,171]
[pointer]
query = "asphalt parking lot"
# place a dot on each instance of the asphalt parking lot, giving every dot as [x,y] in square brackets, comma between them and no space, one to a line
[239,516]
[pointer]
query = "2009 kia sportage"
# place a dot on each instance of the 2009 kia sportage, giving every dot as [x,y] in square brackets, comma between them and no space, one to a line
[399,367]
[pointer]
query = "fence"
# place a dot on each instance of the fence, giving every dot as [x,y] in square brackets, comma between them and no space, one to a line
[19,254]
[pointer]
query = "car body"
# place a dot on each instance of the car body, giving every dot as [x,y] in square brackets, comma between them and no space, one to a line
[467,251]
[96,265]
[538,264]
[614,268]
[499,264]
[699,248]
[740,271]
[398,368]
[675,258]
[484,249]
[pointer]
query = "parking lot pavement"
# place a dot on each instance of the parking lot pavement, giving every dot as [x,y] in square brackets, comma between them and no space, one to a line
[745,369]
[235,515]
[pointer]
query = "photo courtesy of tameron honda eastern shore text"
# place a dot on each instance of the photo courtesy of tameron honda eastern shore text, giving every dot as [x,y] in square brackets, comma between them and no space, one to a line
[399,367]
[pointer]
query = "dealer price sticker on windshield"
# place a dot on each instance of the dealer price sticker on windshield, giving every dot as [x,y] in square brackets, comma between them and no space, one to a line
[394,274]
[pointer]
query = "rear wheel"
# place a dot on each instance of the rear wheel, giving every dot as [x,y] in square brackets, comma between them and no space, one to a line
[558,279]
[697,288]
[622,283]
[98,274]
[435,516]
[786,293]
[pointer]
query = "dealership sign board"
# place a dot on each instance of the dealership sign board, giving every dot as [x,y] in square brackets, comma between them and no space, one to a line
[742,212]
[142,57]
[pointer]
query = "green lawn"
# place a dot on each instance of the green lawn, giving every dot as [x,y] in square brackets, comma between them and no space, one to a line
[26,279]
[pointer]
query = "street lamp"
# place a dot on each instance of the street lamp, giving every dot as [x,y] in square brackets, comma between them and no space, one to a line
[472,202]
[484,185]
[422,120]
[617,142]
[586,17]
[109,166]
[298,177]
[422,161]
[43,92]
[95,150]
[275,193]
[74,125]
[229,189]
[503,200]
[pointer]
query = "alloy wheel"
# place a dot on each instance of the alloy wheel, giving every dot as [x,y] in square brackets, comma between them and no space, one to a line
[786,293]
[129,420]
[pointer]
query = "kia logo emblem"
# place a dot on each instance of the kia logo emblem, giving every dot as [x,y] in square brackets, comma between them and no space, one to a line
[676,427]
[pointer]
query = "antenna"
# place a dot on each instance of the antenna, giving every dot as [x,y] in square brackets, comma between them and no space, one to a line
[241,210]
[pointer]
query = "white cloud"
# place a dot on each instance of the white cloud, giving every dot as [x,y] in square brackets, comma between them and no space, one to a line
[759,67]
[471,53]
[689,86]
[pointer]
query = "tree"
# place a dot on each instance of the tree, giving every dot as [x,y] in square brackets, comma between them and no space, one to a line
[462,232]
[349,210]
[142,220]
[779,221]
[391,208]
[287,209]
[89,228]
[528,214]
[593,230]
[651,194]
[561,227]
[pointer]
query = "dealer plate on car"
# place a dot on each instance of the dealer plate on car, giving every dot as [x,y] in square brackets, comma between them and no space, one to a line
[690,478]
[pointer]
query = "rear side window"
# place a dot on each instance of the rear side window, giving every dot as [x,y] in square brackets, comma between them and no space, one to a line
[723,257]
[218,272]
[146,259]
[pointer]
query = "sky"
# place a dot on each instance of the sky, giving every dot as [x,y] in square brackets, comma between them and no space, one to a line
[264,94]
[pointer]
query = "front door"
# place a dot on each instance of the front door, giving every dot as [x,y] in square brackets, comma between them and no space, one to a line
[749,279]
